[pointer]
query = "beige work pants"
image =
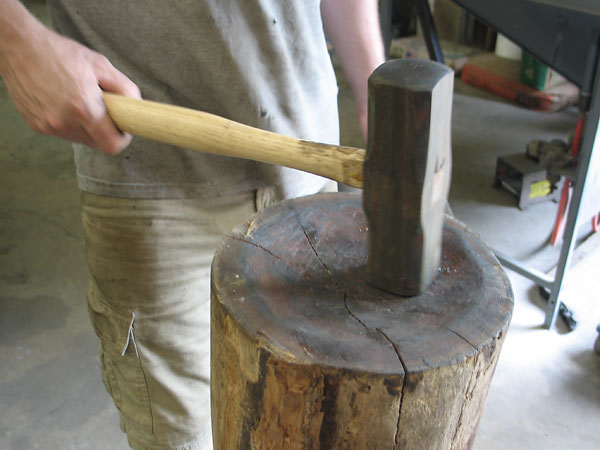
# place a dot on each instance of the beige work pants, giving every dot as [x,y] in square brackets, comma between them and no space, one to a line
[148,297]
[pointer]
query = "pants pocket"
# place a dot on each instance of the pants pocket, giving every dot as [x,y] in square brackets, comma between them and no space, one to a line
[122,365]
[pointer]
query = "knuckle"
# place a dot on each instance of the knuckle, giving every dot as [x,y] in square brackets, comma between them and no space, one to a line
[40,127]
[102,59]
[135,91]
[41,124]
[80,110]
[102,62]
[57,124]
[113,146]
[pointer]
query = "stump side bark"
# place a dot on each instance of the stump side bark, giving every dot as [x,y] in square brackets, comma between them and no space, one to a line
[307,355]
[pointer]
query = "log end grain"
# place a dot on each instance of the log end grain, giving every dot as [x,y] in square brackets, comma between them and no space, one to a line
[306,354]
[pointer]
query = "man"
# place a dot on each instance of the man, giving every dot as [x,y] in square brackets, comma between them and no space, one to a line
[154,214]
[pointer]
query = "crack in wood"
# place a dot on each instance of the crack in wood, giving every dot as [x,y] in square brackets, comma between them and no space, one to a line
[317,255]
[354,316]
[337,283]
[461,337]
[468,394]
[351,386]
[266,250]
[394,346]
[367,329]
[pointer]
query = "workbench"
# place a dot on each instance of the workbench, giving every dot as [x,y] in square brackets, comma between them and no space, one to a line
[565,35]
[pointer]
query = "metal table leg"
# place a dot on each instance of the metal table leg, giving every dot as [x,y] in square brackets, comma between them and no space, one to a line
[585,169]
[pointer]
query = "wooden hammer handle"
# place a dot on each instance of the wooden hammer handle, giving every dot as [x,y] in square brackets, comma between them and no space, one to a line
[208,133]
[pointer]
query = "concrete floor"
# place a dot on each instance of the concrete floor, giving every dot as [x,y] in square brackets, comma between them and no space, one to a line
[546,390]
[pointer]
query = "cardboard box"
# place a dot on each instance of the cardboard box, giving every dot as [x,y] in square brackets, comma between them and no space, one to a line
[455,55]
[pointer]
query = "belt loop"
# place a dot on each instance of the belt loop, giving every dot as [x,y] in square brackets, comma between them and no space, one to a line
[265,197]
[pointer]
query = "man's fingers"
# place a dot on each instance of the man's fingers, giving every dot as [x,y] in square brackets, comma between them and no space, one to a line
[111,80]
[103,130]
[107,138]
[97,125]
[81,136]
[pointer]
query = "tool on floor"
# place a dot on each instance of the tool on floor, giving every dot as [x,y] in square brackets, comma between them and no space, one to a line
[526,178]
[407,171]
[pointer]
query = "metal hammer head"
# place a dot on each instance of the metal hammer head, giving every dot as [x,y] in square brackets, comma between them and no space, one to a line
[407,172]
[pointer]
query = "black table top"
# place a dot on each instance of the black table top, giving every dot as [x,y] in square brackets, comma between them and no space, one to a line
[564,34]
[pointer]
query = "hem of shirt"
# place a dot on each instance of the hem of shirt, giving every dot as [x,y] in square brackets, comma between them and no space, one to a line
[161,191]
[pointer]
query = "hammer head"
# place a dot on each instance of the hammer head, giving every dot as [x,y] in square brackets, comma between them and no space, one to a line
[407,172]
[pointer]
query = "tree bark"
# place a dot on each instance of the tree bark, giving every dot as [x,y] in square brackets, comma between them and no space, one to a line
[307,355]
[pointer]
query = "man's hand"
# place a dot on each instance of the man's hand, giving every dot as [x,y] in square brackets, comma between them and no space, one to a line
[56,84]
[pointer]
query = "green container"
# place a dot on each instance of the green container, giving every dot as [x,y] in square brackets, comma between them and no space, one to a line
[534,72]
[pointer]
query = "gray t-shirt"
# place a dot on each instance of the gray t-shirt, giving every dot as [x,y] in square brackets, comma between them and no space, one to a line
[263,63]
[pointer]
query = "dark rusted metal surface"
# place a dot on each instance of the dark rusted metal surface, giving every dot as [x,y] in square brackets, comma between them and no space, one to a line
[407,172]
[298,270]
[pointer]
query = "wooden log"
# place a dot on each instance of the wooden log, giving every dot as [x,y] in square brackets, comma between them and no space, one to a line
[307,355]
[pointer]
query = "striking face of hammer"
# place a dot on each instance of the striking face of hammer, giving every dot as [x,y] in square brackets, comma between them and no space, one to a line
[407,172]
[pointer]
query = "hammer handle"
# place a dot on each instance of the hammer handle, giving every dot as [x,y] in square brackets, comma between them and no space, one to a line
[209,133]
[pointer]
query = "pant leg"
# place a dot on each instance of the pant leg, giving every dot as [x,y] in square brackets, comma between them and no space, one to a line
[148,297]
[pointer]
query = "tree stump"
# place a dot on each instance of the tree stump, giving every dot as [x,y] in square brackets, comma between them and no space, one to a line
[307,355]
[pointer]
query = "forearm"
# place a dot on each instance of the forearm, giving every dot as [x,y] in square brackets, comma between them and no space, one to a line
[354,30]
[18,29]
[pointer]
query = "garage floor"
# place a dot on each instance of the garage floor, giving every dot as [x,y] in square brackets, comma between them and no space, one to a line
[546,391]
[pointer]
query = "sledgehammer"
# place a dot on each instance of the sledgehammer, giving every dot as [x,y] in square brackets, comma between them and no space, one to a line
[405,172]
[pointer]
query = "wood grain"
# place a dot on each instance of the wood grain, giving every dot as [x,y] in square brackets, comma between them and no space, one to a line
[196,130]
[307,355]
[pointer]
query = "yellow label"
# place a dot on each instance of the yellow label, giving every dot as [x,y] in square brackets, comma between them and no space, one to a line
[539,189]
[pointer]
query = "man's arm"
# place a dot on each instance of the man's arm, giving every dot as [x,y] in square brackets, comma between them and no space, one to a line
[354,30]
[56,84]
